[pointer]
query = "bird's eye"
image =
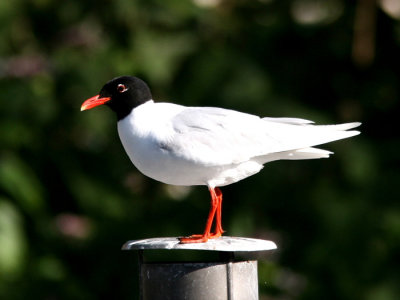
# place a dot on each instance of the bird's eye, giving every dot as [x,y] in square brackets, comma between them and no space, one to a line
[121,88]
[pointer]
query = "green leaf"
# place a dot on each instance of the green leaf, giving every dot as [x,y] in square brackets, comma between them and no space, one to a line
[12,240]
[21,183]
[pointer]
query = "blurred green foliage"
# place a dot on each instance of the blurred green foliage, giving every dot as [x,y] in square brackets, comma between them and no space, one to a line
[69,196]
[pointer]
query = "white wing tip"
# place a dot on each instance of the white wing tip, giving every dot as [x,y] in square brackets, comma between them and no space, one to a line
[315,152]
[346,126]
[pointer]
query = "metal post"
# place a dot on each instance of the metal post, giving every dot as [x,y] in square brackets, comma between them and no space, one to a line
[224,279]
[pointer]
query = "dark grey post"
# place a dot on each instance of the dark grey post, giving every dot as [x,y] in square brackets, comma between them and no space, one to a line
[224,279]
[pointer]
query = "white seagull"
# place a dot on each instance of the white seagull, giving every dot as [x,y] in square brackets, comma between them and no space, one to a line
[209,146]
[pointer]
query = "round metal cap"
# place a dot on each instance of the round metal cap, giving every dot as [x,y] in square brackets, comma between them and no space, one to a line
[223,243]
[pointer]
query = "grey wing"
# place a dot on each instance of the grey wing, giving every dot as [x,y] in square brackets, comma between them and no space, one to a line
[216,136]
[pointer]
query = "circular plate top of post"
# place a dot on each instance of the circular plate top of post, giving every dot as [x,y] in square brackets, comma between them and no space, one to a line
[224,243]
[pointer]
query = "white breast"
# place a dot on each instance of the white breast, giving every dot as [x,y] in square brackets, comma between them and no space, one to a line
[146,134]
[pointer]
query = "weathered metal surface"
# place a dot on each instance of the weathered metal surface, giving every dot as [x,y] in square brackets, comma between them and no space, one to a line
[224,243]
[225,279]
[199,281]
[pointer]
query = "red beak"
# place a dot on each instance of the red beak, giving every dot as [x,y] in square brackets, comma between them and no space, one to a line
[93,102]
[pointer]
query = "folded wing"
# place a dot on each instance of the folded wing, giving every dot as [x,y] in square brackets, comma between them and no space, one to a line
[216,136]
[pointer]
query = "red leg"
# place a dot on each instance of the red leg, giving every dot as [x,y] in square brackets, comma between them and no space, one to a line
[215,209]
[218,223]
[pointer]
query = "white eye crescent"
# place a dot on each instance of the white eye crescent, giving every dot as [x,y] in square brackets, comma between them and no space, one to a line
[121,88]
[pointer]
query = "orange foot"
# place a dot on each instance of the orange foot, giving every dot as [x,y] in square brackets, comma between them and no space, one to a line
[199,238]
